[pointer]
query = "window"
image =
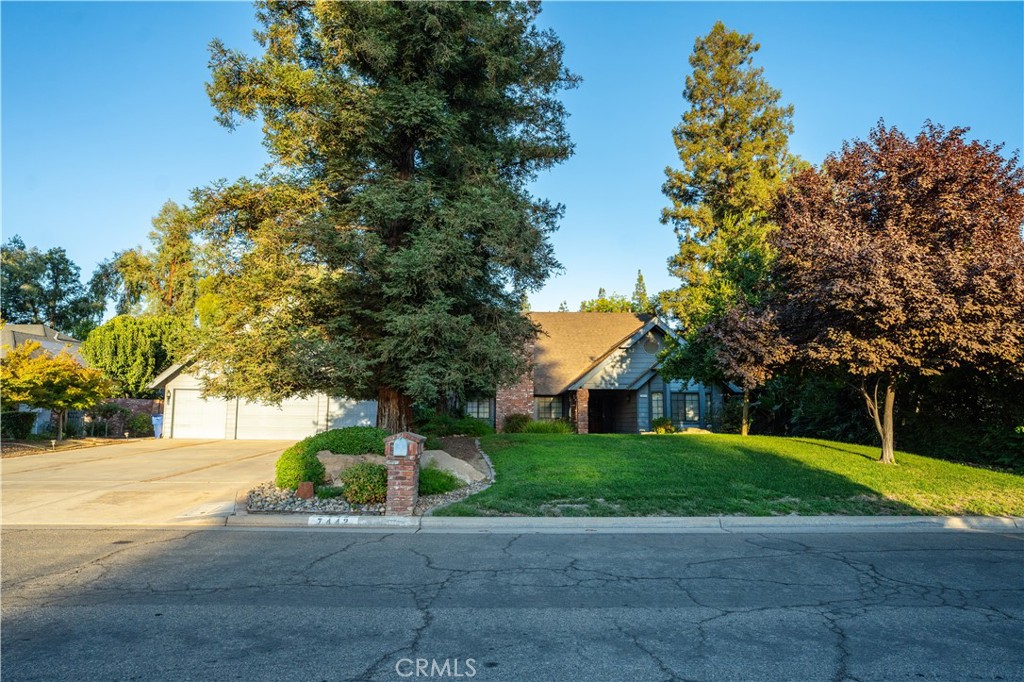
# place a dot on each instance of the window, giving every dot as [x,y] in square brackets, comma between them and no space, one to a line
[657,405]
[707,406]
[479,408]
[549,407]
[685,407]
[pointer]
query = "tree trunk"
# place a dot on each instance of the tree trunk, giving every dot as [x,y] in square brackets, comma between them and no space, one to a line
[60,425]
[394,411]
[883,417]
[745,423]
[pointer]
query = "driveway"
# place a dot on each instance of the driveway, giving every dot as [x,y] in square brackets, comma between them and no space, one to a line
[142,482]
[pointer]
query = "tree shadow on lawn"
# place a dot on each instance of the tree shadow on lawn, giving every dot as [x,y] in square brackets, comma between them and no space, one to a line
[671,476]
[848,450]
[783,485]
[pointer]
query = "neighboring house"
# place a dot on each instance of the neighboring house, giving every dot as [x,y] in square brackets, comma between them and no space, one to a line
[188,415]
[51,341]
[600,371]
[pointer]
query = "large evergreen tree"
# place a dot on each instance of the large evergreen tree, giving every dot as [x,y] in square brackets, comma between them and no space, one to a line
[161,281]
[45,287]
[733,146]
[386,253]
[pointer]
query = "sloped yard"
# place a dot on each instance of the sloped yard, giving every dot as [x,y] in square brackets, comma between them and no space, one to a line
[697,475]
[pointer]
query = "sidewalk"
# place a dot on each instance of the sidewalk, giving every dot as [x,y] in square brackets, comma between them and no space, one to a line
[680,525]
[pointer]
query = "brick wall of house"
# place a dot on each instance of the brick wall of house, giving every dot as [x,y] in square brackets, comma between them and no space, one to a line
[582,415]
[515,399]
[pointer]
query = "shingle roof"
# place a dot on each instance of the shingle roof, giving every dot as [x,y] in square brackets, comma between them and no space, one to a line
[14,335]
[570,343]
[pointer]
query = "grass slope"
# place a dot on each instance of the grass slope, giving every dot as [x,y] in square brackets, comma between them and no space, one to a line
[696,475]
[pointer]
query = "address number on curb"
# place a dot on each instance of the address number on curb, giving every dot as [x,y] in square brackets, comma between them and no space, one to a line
[333,521]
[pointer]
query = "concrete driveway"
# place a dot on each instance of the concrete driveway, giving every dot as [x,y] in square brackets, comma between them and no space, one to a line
[143,482]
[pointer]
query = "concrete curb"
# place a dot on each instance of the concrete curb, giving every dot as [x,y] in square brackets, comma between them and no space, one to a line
[633,525]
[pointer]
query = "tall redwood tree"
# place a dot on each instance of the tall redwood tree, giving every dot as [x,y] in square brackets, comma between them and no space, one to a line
[387,252]
[903,257]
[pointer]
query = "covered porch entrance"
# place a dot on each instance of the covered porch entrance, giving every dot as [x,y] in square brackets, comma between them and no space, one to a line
[612,411]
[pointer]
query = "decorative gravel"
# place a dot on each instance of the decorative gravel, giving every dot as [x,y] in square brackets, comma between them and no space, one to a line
[270,498]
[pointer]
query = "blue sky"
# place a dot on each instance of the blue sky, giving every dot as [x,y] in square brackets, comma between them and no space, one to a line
[104,115]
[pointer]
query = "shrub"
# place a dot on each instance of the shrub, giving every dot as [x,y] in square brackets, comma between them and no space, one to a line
[514,423]
[433,443]
[295,465]
[365,483]
[139,426]
[326,492]
[17,425]
[663,425]
[548,426]
[352,440]
[441,425]
[434,481]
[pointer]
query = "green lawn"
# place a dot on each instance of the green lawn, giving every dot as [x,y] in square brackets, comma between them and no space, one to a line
[697,475]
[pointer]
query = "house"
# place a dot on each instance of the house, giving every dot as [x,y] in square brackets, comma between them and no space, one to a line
[600,371]
[188,415]
[52,342]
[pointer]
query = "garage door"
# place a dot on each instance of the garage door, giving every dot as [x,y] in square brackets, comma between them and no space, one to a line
[194,417]
[292,419]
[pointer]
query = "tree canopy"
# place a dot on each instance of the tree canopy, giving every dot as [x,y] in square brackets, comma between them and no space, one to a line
[733,146]
[31,376]
[386,253]
[45,287]
[133,350]
[903,257]
[162,281]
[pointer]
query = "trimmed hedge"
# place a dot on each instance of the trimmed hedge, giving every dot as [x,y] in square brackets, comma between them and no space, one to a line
[352,440]
[17,425]
[299,462]
[296,465]
[365,483]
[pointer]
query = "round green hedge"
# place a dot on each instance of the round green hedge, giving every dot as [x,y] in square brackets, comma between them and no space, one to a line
[299,462]
[296,465]
[365,483]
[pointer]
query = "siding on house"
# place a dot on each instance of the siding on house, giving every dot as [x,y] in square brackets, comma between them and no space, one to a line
[625,415]
[624,366]
[189,416]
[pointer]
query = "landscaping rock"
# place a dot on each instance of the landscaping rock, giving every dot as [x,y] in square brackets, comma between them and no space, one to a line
[445,462]
[334,464]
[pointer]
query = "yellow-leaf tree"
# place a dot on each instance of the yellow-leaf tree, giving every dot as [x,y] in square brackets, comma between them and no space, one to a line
[31,376]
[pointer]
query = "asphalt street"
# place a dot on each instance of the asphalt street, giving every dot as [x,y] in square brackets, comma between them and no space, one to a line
[329,604]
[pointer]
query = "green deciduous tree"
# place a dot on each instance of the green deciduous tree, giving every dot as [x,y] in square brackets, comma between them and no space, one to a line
[733,145]
[38,287]
[386,253]
[615,303]
[35,378]
[132,350]
[161,281]
[902,258]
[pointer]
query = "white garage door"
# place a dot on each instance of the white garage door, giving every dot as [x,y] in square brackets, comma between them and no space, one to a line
[194,417]
[292,419]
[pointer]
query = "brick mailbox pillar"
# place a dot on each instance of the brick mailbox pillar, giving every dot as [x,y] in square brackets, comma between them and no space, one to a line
[402,452]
